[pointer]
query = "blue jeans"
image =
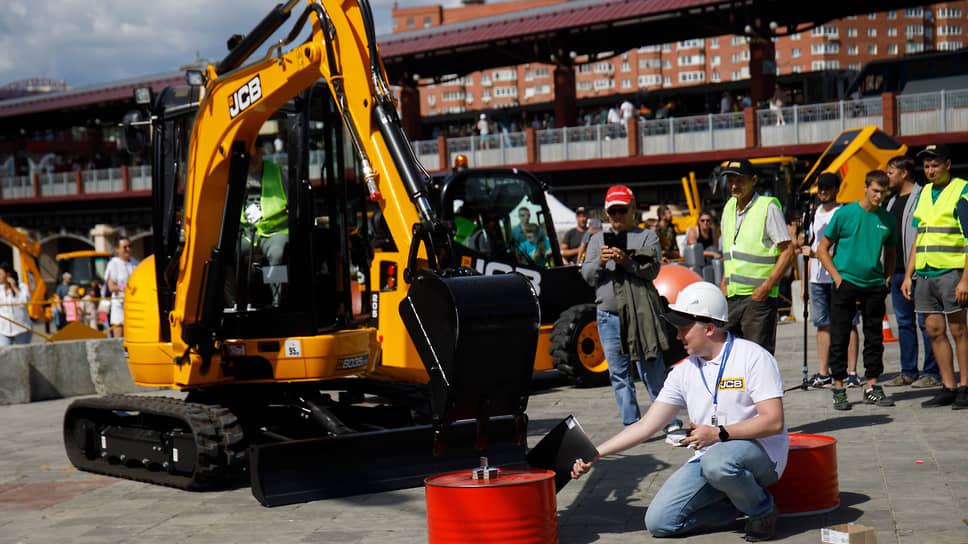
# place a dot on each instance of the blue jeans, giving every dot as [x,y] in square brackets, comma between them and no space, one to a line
[907,333]
[620,370]
[729,479]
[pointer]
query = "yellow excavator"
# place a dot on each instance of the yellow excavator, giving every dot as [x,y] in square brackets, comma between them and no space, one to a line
[363,360]
[29,250]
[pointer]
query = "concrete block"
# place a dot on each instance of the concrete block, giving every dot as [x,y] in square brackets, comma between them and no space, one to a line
[109,369]
[14,375]
[59,369]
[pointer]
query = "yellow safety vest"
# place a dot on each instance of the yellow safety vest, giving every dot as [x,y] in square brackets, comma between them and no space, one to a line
[940,242]
[747,263]
[275,215]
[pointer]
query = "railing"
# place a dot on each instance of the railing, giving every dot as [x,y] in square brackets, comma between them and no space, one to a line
[816,123]
[931,113]
[927,113]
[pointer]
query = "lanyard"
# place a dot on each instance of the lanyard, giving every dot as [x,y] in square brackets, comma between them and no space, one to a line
[719,378]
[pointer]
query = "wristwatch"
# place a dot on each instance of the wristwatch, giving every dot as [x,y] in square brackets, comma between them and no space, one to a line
[723,435]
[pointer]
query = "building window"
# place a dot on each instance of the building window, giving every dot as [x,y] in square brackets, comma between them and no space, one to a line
[584,85]
[626,83]
[949,30]
[411,23]
[737,40]
[796,68]
[913,30]
[602,84]
[853,66]
[650,80]
[692,60]
[645,64]
[892,32]
[584,68]
[504,75]
[853,50]
[913,47]
[666,64]
[431,99]
[451,96]
[714,60]
[892,49]
[872,49]
[949,46]
[486,95]
[949,13]
[735,76]
[626,67]
[505,92]
[825,48]
[692,77]
[851,32]
[714,43]
[914,13]
[795,53]
[830,31]
[604,68]
[690,44]
[667,81]
[795,36]
[871,32]
[825,65]
[891,14]
[427,21]
[871,16]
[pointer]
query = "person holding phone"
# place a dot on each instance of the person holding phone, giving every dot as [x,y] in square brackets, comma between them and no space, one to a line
[620,263]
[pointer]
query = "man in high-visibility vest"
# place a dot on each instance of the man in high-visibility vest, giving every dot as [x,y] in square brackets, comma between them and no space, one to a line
[756,253]
[265,219]
[937,256]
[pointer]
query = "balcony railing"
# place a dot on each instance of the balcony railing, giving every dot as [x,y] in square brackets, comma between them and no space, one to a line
[927,113]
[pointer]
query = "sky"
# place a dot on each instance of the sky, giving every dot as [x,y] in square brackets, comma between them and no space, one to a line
[87,42]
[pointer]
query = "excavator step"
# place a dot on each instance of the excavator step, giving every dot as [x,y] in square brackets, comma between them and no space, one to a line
[307,470]
[155,439]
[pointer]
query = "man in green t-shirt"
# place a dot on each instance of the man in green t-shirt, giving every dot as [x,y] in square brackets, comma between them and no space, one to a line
[937,255]
[862,231]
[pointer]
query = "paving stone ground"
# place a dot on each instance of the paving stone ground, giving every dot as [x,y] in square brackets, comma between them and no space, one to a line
[44,500]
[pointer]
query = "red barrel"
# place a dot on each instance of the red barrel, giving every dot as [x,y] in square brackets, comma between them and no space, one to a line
[809,484]
[517,507]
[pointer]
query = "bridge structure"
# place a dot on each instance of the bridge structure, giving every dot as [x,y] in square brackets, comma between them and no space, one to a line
[92,204]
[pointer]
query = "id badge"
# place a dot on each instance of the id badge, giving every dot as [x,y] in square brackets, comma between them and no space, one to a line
[718,418]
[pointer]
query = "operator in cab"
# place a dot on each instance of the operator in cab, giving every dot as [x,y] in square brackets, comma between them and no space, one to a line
[265,219]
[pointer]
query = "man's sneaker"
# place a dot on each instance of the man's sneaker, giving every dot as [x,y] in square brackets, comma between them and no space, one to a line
[901,379]
[840,399]
[852,381]
[875,395]
[819,380]
[673,426]
[943,398]
[758,530]
[961,399]
[926,381]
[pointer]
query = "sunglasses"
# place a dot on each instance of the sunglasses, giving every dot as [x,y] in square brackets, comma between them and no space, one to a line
[618,210]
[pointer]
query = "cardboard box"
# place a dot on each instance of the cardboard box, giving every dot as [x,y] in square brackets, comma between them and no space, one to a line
[848,533]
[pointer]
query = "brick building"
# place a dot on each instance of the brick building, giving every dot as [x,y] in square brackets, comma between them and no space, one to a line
[842,44]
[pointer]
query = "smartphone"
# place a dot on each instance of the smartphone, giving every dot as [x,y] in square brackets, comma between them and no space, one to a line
[615,239]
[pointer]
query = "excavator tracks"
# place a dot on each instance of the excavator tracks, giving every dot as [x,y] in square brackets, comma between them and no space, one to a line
[158,440]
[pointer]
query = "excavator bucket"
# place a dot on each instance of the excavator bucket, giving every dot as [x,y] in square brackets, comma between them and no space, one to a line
[323,468]
[477,336]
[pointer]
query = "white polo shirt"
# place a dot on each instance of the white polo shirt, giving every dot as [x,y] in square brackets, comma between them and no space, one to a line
[751,375]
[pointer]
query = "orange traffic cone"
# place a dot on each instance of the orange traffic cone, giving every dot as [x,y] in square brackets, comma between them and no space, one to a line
[886,330]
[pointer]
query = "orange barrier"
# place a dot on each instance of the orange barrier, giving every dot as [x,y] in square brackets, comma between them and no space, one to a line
[886,330]
[809,484]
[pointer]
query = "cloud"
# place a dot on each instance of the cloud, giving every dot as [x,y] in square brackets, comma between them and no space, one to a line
[86,43]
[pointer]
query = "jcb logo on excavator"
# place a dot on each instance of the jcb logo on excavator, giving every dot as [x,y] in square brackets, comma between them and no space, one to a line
[245,96]
[491,267]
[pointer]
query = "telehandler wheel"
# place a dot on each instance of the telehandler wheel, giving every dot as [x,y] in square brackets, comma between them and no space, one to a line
[576,350]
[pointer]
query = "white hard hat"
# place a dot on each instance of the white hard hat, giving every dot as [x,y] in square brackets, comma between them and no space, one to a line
[699,301]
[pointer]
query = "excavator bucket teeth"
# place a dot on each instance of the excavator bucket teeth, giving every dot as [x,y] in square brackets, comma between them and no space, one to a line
[306,470]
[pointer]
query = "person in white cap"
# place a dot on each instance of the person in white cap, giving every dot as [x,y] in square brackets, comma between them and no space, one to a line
[734,394]
[484,129]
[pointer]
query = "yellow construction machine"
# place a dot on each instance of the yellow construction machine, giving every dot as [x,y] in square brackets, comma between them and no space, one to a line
[368,357]
[29,250]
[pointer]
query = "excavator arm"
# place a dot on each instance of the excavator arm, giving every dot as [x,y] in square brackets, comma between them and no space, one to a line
[29,251]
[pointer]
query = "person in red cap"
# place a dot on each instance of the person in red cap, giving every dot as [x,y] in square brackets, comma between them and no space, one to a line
[620,263]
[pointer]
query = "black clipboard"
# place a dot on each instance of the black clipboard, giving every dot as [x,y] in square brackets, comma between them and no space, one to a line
[559,448]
